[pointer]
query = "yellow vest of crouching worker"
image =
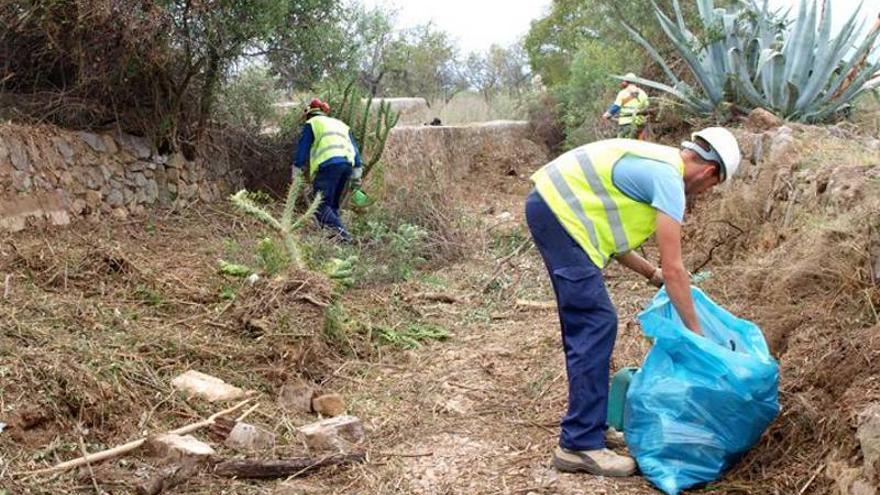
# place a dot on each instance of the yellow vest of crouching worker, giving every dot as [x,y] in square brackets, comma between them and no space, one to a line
[331,140]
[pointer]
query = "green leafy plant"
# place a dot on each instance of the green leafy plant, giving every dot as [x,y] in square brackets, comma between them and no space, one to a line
[233,269]
[341,270]
[289,223]
[271,257]
[412,336]
[748,56]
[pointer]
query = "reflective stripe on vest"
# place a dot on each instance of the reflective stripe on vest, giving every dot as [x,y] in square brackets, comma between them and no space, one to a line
[579,189]
[332,140]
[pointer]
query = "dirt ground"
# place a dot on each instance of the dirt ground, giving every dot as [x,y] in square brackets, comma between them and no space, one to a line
[101,317]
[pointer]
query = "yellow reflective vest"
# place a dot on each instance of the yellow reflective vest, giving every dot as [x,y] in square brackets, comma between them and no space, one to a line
[578,188]
[332,139]
[632,100]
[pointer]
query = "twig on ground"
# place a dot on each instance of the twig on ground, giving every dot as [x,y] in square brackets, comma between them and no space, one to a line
[82,449]
[812,479]
[522,303]
[7,286]
[500,264]
[128,447]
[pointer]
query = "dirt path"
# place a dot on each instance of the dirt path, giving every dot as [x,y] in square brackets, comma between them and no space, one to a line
[478,414]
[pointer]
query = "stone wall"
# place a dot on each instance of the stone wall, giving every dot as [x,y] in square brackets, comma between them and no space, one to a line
[52,176]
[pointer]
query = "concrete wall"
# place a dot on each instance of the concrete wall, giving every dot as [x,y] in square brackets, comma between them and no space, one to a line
[452,152]
[52,176]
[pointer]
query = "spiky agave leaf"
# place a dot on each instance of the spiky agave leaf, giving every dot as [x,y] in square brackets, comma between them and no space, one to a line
[801,73]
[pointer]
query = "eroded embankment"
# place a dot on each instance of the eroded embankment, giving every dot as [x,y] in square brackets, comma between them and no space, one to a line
[794,246]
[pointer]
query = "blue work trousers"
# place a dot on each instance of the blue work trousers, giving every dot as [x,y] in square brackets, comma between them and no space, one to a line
[330,180]
[589,326]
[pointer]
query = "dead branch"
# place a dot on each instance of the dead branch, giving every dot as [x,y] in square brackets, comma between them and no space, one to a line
[130,446]
[282,468]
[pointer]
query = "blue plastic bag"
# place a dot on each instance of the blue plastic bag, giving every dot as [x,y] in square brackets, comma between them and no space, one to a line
[698,403]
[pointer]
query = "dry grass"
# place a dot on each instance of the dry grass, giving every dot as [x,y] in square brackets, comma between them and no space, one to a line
[469,107]
[793,249]
[96,327]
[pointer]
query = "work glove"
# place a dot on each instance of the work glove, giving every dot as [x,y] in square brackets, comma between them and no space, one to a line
[357,180]
[657,278]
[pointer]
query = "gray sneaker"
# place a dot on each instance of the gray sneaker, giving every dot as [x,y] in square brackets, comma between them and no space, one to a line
[602,462]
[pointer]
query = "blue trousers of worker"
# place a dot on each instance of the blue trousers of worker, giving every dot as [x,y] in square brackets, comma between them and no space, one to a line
[330,180]
[589,326]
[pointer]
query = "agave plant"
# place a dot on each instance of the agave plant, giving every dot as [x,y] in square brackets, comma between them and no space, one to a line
[749,56]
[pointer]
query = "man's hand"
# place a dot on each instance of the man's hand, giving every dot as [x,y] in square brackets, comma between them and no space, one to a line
[606,116]
[657,278]
[674,274]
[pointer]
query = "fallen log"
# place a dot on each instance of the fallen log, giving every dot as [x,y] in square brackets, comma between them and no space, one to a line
[282,468]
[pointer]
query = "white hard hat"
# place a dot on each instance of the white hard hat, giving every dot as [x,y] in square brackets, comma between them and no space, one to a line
[725,147]
[629,77]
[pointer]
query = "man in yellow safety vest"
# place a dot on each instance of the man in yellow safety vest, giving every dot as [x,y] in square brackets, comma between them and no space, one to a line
[600,202]
[629,107]
[328,148]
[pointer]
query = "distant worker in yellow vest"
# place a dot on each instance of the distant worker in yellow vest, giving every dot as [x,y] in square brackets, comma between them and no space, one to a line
[327,147]
[629,107]
[598,203]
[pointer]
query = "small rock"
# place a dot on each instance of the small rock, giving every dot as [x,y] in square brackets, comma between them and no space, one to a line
[868,434]
[119,213]
[297,397]
[329,405]
[18,156]
[176,161]
[862,487]
[110,144]
[762,119]
[207,387]
[93,199]
[116,197]
[58,217]
[249,438]
[781,145]
[504,216]
[93,140]
[137,146]
[64,148]
[338,433]
[176,447]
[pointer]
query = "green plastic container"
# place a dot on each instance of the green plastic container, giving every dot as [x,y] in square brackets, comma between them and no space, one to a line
[360,198]
[617,397]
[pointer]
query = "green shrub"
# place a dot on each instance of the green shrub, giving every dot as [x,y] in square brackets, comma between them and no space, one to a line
[247,99]
[590,90]
[411,336]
